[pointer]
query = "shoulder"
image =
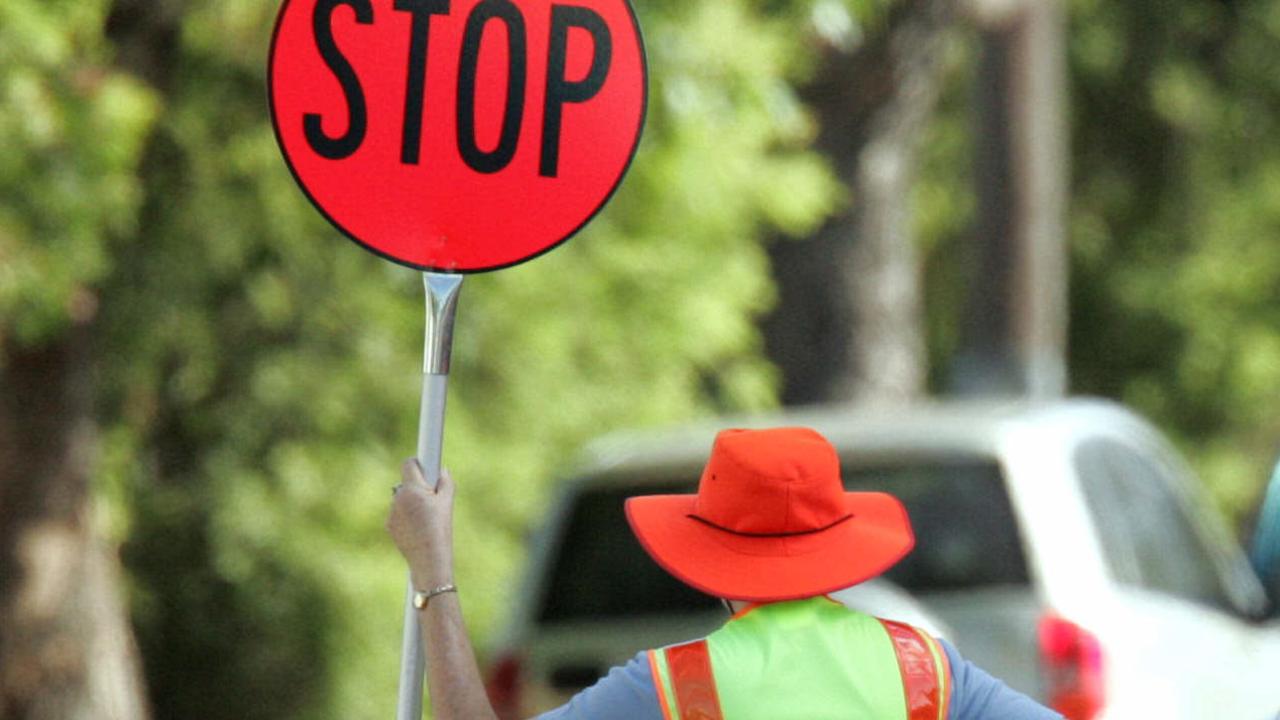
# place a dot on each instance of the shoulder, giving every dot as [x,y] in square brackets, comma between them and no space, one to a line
[627,692]
[976,695]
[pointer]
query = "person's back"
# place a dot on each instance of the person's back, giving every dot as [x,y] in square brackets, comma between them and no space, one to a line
[808,660]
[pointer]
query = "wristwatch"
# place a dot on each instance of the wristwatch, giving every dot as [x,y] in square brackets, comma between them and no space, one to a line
[421,598]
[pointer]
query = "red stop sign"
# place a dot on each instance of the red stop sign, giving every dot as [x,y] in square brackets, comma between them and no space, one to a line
[458,135]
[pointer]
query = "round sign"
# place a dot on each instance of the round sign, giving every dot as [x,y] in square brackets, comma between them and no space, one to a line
[458,135]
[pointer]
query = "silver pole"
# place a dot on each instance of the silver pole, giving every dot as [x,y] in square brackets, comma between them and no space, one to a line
[442,302]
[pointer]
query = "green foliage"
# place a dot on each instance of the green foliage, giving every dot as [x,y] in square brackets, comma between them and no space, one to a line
[1176,224]
[258,374]
[73,130]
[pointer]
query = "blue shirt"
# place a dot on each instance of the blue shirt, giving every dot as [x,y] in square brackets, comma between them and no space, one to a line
[627,693]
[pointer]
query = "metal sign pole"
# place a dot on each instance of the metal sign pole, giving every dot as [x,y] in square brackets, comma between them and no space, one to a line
[442,302]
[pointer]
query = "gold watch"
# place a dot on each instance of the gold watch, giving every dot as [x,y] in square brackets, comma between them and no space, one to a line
[421,598]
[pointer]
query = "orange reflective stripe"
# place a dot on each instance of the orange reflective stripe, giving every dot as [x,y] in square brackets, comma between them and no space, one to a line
[926,699]
[945,667]
[942,668]
[659,684]
[692,683]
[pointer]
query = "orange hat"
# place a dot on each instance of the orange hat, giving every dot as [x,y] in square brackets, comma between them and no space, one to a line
[771,521]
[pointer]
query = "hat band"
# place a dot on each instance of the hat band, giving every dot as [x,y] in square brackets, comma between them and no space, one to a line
[828,526]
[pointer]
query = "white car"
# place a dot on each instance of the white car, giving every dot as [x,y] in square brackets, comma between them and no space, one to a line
[1063,547]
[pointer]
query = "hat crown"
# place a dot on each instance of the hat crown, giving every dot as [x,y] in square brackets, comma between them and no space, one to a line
[780,481]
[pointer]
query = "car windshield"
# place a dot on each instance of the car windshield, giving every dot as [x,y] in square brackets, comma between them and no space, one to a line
[966,538]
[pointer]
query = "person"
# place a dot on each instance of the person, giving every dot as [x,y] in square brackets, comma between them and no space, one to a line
[771,531]
[1265,553]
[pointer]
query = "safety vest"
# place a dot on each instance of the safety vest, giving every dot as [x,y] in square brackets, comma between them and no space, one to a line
[808,659]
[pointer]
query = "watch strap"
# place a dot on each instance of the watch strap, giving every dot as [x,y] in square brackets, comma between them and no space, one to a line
[421,597]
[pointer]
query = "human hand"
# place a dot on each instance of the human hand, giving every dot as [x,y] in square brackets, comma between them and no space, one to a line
[421,524]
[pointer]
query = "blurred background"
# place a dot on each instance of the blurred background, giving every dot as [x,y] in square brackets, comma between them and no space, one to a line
[205,391]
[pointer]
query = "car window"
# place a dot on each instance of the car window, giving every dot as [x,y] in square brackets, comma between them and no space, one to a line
[1110,508]
[1147,536]
[966,537]
[966,533]
[600,571]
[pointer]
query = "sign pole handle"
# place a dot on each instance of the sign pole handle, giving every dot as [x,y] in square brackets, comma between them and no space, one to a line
[442,302]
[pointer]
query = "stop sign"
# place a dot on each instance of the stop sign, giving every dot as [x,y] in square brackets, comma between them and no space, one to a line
[458,135]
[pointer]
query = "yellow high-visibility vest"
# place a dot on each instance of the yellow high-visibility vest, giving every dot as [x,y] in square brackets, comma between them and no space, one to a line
[808,659]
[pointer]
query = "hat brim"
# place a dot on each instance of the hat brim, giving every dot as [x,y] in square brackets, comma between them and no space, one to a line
[876,535]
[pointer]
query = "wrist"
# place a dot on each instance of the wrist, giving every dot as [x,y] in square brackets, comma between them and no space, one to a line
[430,553]
[431,576]
[428,583]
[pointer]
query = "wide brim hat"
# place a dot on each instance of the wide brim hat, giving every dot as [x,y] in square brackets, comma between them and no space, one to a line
[771,521]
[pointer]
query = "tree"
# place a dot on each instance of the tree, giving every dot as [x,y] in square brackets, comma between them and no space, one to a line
[1173,218]
[256,374]
[1171,301]
[1013,328]
[73,127]
[849,325]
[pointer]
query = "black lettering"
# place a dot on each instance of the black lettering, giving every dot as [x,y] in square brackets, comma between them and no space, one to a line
[416,77]
[357,115]
[559,89]
[513,112]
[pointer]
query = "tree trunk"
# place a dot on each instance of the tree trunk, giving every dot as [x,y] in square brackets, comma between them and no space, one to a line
[1015,323]
[849,324]
[66,648]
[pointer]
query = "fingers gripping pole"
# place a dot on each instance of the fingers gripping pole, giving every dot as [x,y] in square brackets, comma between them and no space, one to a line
[413,661]
[442,301]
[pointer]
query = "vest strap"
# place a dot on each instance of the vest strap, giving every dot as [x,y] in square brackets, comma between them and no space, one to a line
[926,674]
[692,683]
